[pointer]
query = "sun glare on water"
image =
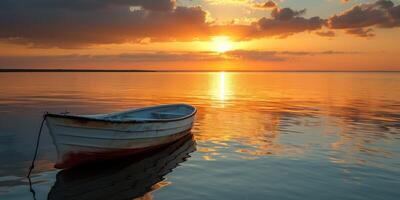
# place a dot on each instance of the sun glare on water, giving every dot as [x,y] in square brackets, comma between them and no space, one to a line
[222,44]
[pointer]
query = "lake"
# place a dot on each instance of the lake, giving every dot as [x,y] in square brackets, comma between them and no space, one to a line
[272,135]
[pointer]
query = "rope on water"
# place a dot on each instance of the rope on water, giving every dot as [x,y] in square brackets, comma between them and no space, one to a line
[37,146]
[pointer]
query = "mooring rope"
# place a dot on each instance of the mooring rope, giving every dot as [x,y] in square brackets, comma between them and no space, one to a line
[31,188]
[37,146]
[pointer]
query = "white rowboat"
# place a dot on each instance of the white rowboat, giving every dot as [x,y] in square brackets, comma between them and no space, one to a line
[84,138]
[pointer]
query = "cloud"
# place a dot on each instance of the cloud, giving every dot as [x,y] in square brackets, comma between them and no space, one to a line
[361,32]
[254,55]
[138,58]
[382,13]
[125,57]
[74,24]
[77,23]
[282,23]
[326,33]
[285,14]
[276,55]
[266,5]
[285,21]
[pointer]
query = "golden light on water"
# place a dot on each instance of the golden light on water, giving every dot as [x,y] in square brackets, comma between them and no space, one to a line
[220,89]
[221,93]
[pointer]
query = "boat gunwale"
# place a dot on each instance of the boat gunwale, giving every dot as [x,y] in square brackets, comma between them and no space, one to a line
[87,118]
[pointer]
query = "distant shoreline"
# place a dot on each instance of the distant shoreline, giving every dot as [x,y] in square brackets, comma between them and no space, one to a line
[136,70]
[72,70]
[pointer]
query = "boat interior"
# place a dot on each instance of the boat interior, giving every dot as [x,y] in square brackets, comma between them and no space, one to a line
[151,113]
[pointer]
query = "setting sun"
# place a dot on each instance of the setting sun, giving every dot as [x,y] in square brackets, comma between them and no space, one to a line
[222,44]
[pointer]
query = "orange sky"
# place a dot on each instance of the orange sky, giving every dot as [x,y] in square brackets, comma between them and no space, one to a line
[201,35]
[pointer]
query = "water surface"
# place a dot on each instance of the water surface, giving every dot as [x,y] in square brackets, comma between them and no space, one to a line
[258,135]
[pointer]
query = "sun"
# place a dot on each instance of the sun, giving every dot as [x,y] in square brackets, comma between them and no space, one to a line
[222,44]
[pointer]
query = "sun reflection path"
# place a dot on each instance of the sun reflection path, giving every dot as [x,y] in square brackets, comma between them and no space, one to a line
[219,88]
[221,94]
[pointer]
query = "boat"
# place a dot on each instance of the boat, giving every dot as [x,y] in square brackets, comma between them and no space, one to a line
[123,178]
[81,139]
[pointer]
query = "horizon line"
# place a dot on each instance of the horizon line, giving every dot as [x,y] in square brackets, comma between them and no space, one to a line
[142,70]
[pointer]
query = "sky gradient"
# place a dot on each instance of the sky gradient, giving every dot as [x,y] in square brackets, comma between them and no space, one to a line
[200,34]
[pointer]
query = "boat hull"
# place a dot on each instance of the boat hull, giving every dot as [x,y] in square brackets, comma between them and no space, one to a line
[130,177]
[80,141]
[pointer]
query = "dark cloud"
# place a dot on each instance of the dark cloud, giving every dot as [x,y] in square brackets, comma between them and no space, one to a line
[266,5]
[282,23]
[285,22]
[382,13]
[76,23]
[72,23]
[285,14]
[89,5]
[361,32]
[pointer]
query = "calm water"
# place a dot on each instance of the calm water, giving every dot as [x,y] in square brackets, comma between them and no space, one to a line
[257,135]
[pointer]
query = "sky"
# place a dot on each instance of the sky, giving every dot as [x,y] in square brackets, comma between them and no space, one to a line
[200,34]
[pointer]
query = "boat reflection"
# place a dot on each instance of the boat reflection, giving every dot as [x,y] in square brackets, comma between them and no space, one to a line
[125,178]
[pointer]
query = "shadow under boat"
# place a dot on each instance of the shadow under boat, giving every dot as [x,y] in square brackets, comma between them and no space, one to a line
[124,178]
